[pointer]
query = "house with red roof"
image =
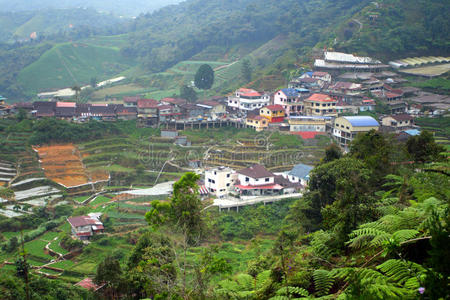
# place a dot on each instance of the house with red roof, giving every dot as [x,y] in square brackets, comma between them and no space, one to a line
[148,110]
[247,100]
[257,181]
[131,101]
[84,227]
[213,108]
[274,113]
[320,105]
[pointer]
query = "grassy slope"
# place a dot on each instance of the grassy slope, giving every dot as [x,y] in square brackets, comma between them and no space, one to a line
[71,64]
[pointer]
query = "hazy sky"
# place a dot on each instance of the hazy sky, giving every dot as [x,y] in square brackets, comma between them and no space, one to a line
[119,7]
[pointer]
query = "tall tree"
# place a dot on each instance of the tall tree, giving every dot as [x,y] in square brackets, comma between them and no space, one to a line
[246,70]
[204,78]
[422,148]
[188,93]
[109,273]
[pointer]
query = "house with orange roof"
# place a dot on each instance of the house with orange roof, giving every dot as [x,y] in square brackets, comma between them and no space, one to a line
[247,99]
[320,105]
[273,113]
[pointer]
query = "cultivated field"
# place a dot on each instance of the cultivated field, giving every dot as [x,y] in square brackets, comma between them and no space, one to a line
[430,71]
[62,164]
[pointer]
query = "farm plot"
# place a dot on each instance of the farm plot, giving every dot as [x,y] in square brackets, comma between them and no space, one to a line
[35,192]
[430,71]
[62,164]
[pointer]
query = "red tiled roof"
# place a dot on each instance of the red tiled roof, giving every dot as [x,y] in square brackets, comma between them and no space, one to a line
[392,95]
[274,107]
[320,98]
[131,99]
[83,221]
[66,104]
[162,107]
[244,90]
[210,103]
[251,94]
[176,101]
[256,171]
[147,103]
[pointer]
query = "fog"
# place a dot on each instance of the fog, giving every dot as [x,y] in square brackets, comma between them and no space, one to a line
[118,7]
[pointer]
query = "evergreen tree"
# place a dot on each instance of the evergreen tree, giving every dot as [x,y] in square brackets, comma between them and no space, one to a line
[246,71]
[204,78]
[188,93]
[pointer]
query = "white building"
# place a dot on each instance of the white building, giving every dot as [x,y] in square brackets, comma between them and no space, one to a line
[220,181]
[248,99]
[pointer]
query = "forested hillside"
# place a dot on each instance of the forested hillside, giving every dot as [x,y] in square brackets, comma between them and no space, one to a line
[118,7]
[17,26]
[384,29]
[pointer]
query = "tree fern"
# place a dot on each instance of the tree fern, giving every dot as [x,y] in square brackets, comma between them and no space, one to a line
[245,282]
[293,291]
[262,279]
[323,281]
[401,271]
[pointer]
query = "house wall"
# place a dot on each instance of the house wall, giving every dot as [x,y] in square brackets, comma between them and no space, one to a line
[245,180]
[220,182]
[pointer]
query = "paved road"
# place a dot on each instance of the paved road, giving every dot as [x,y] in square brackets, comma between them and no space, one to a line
[164,188]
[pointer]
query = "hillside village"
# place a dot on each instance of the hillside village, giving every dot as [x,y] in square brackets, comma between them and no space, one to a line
[343,96]
[324,177]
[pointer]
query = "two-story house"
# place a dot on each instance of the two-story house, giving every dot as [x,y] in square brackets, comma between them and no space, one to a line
[259,123]
[273,113]
[398,122]
[247,100]
[257,181]
[220,181]
[290,100]
[84,227]
[347,128]
[320,105]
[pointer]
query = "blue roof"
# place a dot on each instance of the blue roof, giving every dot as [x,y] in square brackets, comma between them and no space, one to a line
[362,121]
[309,73]
[301,171]
[289,92]
[302,90]
[413,132]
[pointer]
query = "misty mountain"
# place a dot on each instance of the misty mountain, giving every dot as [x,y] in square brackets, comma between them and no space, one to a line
[118,7]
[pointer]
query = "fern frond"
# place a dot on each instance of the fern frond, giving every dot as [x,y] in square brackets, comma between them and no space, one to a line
[262,279]
[405,234]
[361,237]
[292,290]
[400,271]
[323,281]
[245,282]
[343,273]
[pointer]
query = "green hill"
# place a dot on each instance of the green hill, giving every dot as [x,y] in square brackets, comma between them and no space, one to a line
[71,64]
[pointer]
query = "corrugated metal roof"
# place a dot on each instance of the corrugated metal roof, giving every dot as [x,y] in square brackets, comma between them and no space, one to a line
[289,92]
[301,171]
[362,121]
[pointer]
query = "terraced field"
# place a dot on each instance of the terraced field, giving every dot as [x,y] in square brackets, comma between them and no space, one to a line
[62,164]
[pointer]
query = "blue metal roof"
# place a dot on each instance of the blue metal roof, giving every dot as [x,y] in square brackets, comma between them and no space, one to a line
[301,171]
[362,121]
[302,90]
[413,132]
[289,92]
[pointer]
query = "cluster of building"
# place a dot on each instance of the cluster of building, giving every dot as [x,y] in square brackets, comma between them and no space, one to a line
[317,102]
[255,181]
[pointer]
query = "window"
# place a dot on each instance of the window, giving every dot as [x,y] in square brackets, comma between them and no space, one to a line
[215,173]
[257,179]
[213,181]
[247,179]
[267,179]
[228,184]
[228,175]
